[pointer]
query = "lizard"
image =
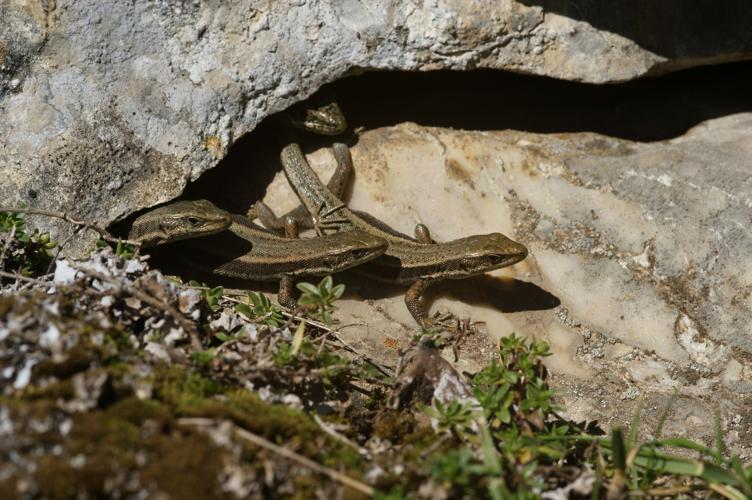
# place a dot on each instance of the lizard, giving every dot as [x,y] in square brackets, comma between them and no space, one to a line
[416,262]
[324,119]
[251,252]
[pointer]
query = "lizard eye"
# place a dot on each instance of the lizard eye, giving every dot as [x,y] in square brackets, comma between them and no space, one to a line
[358,253]
[495,259]
[193,221]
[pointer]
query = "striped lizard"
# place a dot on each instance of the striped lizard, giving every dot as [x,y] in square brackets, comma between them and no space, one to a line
[252,253]
[416,262]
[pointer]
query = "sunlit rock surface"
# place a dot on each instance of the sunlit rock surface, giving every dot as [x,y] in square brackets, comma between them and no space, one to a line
[638,273]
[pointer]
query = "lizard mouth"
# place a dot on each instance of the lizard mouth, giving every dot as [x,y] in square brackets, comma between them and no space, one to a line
[332,263]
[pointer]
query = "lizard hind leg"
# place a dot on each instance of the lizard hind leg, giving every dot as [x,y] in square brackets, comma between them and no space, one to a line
[416,304]
[292,227]
[286,294]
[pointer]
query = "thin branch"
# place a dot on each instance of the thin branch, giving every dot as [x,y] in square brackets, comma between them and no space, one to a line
[60,248]
[104,233]
[339,437]
[20,277]
[283,452]
[167,308]
[6,243]
[672,491]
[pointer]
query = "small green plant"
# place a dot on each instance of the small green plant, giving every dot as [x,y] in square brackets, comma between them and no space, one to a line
[320,299]
[455,417]
[509,433]
[332,367]
[635,466]
[27,253]
[203,358]
[212,296]
[262,309]
[227,337]
[123,250]
[460,471]
[284,355]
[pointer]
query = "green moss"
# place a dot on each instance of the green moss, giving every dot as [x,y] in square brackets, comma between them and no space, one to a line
[106,443]
[56,478]
[8,488]
[180,388]
[51,392]
[76,360]
[181,462]
[393,425]
[185,465]
[136,411]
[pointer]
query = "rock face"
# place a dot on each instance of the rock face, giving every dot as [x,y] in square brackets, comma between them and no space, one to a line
[109,106]
[638,272]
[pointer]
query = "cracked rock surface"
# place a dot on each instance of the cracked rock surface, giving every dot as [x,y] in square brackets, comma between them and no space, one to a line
[638,273]
[110,106]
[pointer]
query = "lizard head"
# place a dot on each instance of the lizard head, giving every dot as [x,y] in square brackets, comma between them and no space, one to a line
[478,254]
[486,252]
[326,120]
[350,248]
[179,221]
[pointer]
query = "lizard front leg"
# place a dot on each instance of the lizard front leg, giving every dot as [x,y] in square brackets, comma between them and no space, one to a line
[423,235]
[278,224]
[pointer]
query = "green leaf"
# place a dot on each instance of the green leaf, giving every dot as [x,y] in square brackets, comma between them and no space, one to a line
[224,337]
[327,318]
[326,285]
[338,290]
[307,300]
[307,288]
[244,309]
[297,339]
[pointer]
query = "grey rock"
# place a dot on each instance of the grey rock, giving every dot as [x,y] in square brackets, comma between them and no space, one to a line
[107,106]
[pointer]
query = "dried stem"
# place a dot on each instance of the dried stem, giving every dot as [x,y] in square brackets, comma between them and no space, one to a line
[339,437]
[6,243]
[283,452]
[103,233]
[20,277]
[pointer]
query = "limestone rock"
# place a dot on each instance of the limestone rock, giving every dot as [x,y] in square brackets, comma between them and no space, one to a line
[108,106]
[638,273]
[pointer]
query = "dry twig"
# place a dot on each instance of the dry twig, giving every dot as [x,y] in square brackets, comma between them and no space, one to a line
[339,437]
[384,369]
[6,243]
[283,452]
[20,277]
[103,233]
